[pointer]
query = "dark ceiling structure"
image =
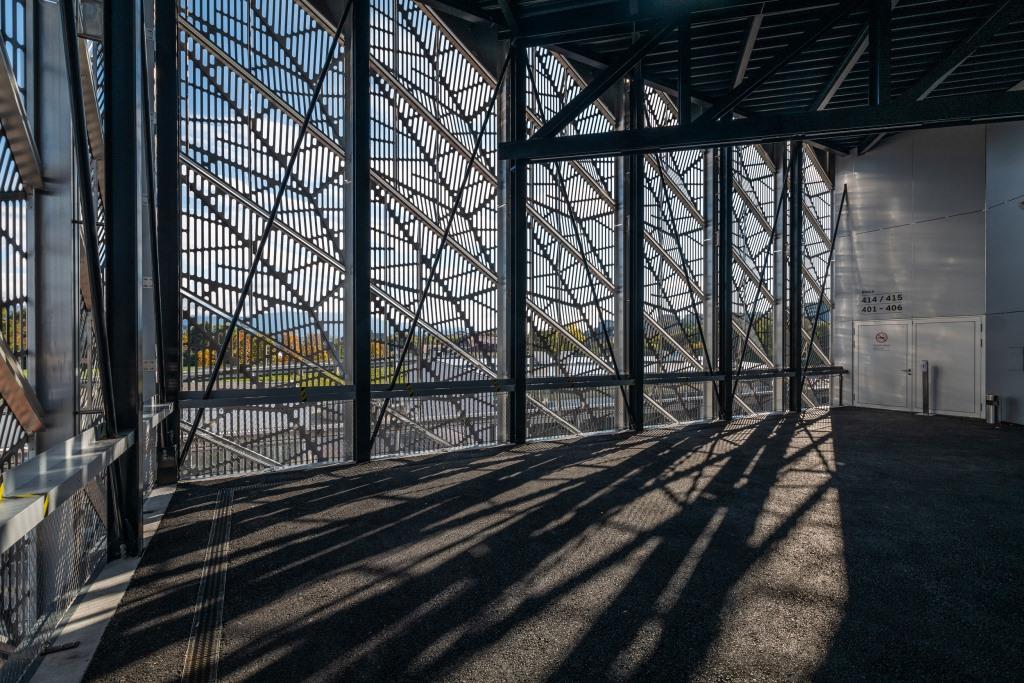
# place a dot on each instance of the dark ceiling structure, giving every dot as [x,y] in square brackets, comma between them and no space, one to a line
[839,73]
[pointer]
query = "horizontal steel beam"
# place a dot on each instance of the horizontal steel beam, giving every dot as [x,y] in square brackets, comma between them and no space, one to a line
[571,24]
[254,396]
[932,113]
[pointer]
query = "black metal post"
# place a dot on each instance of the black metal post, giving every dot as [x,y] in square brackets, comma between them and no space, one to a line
[795,280]
[516,235]
[725,336]
[879,41]
[124,309]
[357,227]
[168,232]
[634,285]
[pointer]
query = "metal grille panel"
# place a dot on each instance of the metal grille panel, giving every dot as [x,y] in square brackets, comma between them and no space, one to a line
[753,302]
[571,280]
[817,286]
[248,71]
[429,103]
[14,249]
[674,269]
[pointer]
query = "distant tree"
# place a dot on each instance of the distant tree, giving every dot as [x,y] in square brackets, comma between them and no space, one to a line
[205,358]
[14,327]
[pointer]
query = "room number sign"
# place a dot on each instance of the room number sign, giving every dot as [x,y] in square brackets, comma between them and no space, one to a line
[884,302]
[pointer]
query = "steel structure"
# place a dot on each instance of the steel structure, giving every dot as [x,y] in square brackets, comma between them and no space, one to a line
[583,306]
[243,235]
[504,301]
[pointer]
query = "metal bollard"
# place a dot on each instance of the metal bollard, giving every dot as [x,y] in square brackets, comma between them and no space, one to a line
[992,409]
[925,390]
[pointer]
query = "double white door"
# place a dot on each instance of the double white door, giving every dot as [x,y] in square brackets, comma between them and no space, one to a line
[887,367]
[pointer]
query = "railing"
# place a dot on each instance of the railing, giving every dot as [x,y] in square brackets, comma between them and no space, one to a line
[229,453]
[53,521]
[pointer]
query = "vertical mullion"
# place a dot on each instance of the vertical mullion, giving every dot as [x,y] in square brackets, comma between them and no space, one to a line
[796,249]
[710,279]
[514,225]
[725,285]
[168,226]
[779,281]
[124,314]
[357,227]
[634,252]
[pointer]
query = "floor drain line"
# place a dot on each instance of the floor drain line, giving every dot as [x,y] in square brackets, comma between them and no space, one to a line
[204,644]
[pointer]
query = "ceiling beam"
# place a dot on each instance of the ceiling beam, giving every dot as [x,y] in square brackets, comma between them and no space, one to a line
[1004,13]
[735,97]
[684,74]
[857,49]
[853,55]
[620,18]
[463,9]
[601,82]
[945,111]
[879,45]
[748,49]
[510,16]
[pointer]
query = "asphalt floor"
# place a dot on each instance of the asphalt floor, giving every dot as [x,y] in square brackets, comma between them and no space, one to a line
[851,545]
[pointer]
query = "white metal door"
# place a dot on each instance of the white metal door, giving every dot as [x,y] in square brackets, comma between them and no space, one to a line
[882,364]
[952,347]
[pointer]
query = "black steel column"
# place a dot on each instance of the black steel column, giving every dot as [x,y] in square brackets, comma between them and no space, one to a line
[795,279]
[725,338]
[516,240]
[124,282]
[168,221]
[53,302]
[683,43]
[357,227]
[634,285]
[879,41]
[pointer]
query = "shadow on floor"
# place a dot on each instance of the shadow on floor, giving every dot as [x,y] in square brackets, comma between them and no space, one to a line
[850,545]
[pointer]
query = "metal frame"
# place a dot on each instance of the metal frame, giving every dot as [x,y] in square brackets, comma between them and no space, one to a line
[123,304]
[577,127]
[893,117]
[357,228]
[528,221]
[514,217]
[795,242]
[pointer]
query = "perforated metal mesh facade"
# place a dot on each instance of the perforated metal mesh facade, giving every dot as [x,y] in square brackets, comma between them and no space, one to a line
[248,71]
